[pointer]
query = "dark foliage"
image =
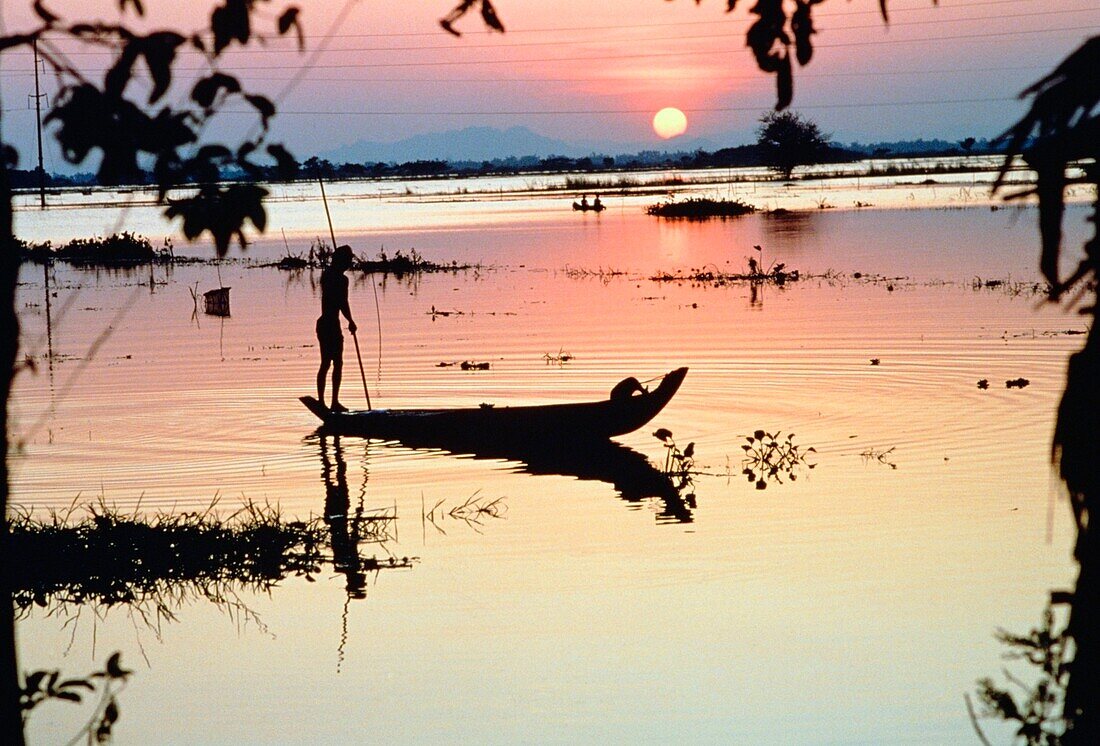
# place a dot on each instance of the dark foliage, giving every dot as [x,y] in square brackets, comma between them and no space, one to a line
[1059,138]
[701,208]
[127,133]
[789,140]
[116,250]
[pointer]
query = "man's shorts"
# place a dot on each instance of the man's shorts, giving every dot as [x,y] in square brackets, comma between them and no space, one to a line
[331,339]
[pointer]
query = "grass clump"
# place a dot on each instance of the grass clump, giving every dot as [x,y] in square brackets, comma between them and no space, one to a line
[700,208]
[117,250]
[107,558]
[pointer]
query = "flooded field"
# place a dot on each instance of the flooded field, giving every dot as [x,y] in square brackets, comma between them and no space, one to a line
[852,599]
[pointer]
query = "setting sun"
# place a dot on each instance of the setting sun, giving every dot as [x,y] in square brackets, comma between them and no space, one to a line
[669,122]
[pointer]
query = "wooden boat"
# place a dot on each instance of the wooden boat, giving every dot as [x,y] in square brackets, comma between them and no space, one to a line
[628,408]
[585,208]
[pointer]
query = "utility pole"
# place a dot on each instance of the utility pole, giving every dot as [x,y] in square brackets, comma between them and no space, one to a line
[38,96]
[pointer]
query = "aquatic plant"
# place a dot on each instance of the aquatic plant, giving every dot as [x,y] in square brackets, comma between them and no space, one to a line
[679,465]
[755,275]
[700,208]
[42,686]
[473,511]
[561,357]
[768,457]
[881,457]
[1038,708]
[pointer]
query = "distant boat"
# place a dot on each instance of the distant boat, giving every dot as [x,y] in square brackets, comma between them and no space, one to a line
[473,429]
[586,207]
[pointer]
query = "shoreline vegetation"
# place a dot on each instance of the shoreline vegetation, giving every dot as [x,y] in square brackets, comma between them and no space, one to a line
[553,176]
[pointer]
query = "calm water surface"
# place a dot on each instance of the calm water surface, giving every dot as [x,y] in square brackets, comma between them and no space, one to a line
[853,604]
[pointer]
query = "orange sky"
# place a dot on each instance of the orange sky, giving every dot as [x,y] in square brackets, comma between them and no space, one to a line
[598,71]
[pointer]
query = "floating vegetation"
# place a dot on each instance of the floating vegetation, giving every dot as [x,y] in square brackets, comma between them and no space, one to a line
[559,358]
[881,457]
[983,384]
[700,208]
[769,457]
[777,273]
[437,312]
[159,562]
[1037,709]
[117,250]
[603,275]
[875,361]
[399,265]
[405,264]
[679,465]
[1017,383]
[473,512]
[1011,288]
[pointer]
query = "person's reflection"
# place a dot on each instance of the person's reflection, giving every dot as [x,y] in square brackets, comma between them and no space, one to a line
[343,530]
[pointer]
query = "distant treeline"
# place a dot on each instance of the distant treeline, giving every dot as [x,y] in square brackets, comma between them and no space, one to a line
[735,157]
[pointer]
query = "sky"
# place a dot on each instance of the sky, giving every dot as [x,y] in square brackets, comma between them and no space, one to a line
[598,71]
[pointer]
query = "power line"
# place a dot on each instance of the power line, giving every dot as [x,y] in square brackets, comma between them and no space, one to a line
[644,55]
[647,111]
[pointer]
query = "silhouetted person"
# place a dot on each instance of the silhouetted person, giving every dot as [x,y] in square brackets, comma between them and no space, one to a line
[596,204]
[334,301]
[584,201]
[343,537]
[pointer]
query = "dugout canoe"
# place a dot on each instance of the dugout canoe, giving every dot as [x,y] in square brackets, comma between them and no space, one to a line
[628,408]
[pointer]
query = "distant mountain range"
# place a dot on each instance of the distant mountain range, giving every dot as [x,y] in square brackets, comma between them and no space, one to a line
[477,144]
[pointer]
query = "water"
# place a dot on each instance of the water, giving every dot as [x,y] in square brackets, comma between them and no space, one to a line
[853,604]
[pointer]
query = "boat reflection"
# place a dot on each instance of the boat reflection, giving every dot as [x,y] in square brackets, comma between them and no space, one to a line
[631,474]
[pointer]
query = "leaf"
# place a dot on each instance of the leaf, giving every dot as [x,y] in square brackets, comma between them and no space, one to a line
[206,90]
[489,15]
[70,696]
[74,683]
[289,20]
[263,105]
[159,50]
[285,163]
[139,9]
[114,667]
[114,83]
[662,434]
[457,12]
[759,434]
[784,84]
[45,15]
[34,681]
[690,450]
[229,23]
[802,26]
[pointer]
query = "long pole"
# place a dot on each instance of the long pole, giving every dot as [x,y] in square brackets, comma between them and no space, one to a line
[328,215]
[332,233]
[361,373]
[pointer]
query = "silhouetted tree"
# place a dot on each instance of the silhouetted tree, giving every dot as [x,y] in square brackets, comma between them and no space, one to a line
[1062,129]
[787,140]
[109,118]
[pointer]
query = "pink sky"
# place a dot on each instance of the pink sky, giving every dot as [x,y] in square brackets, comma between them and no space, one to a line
[598,71]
